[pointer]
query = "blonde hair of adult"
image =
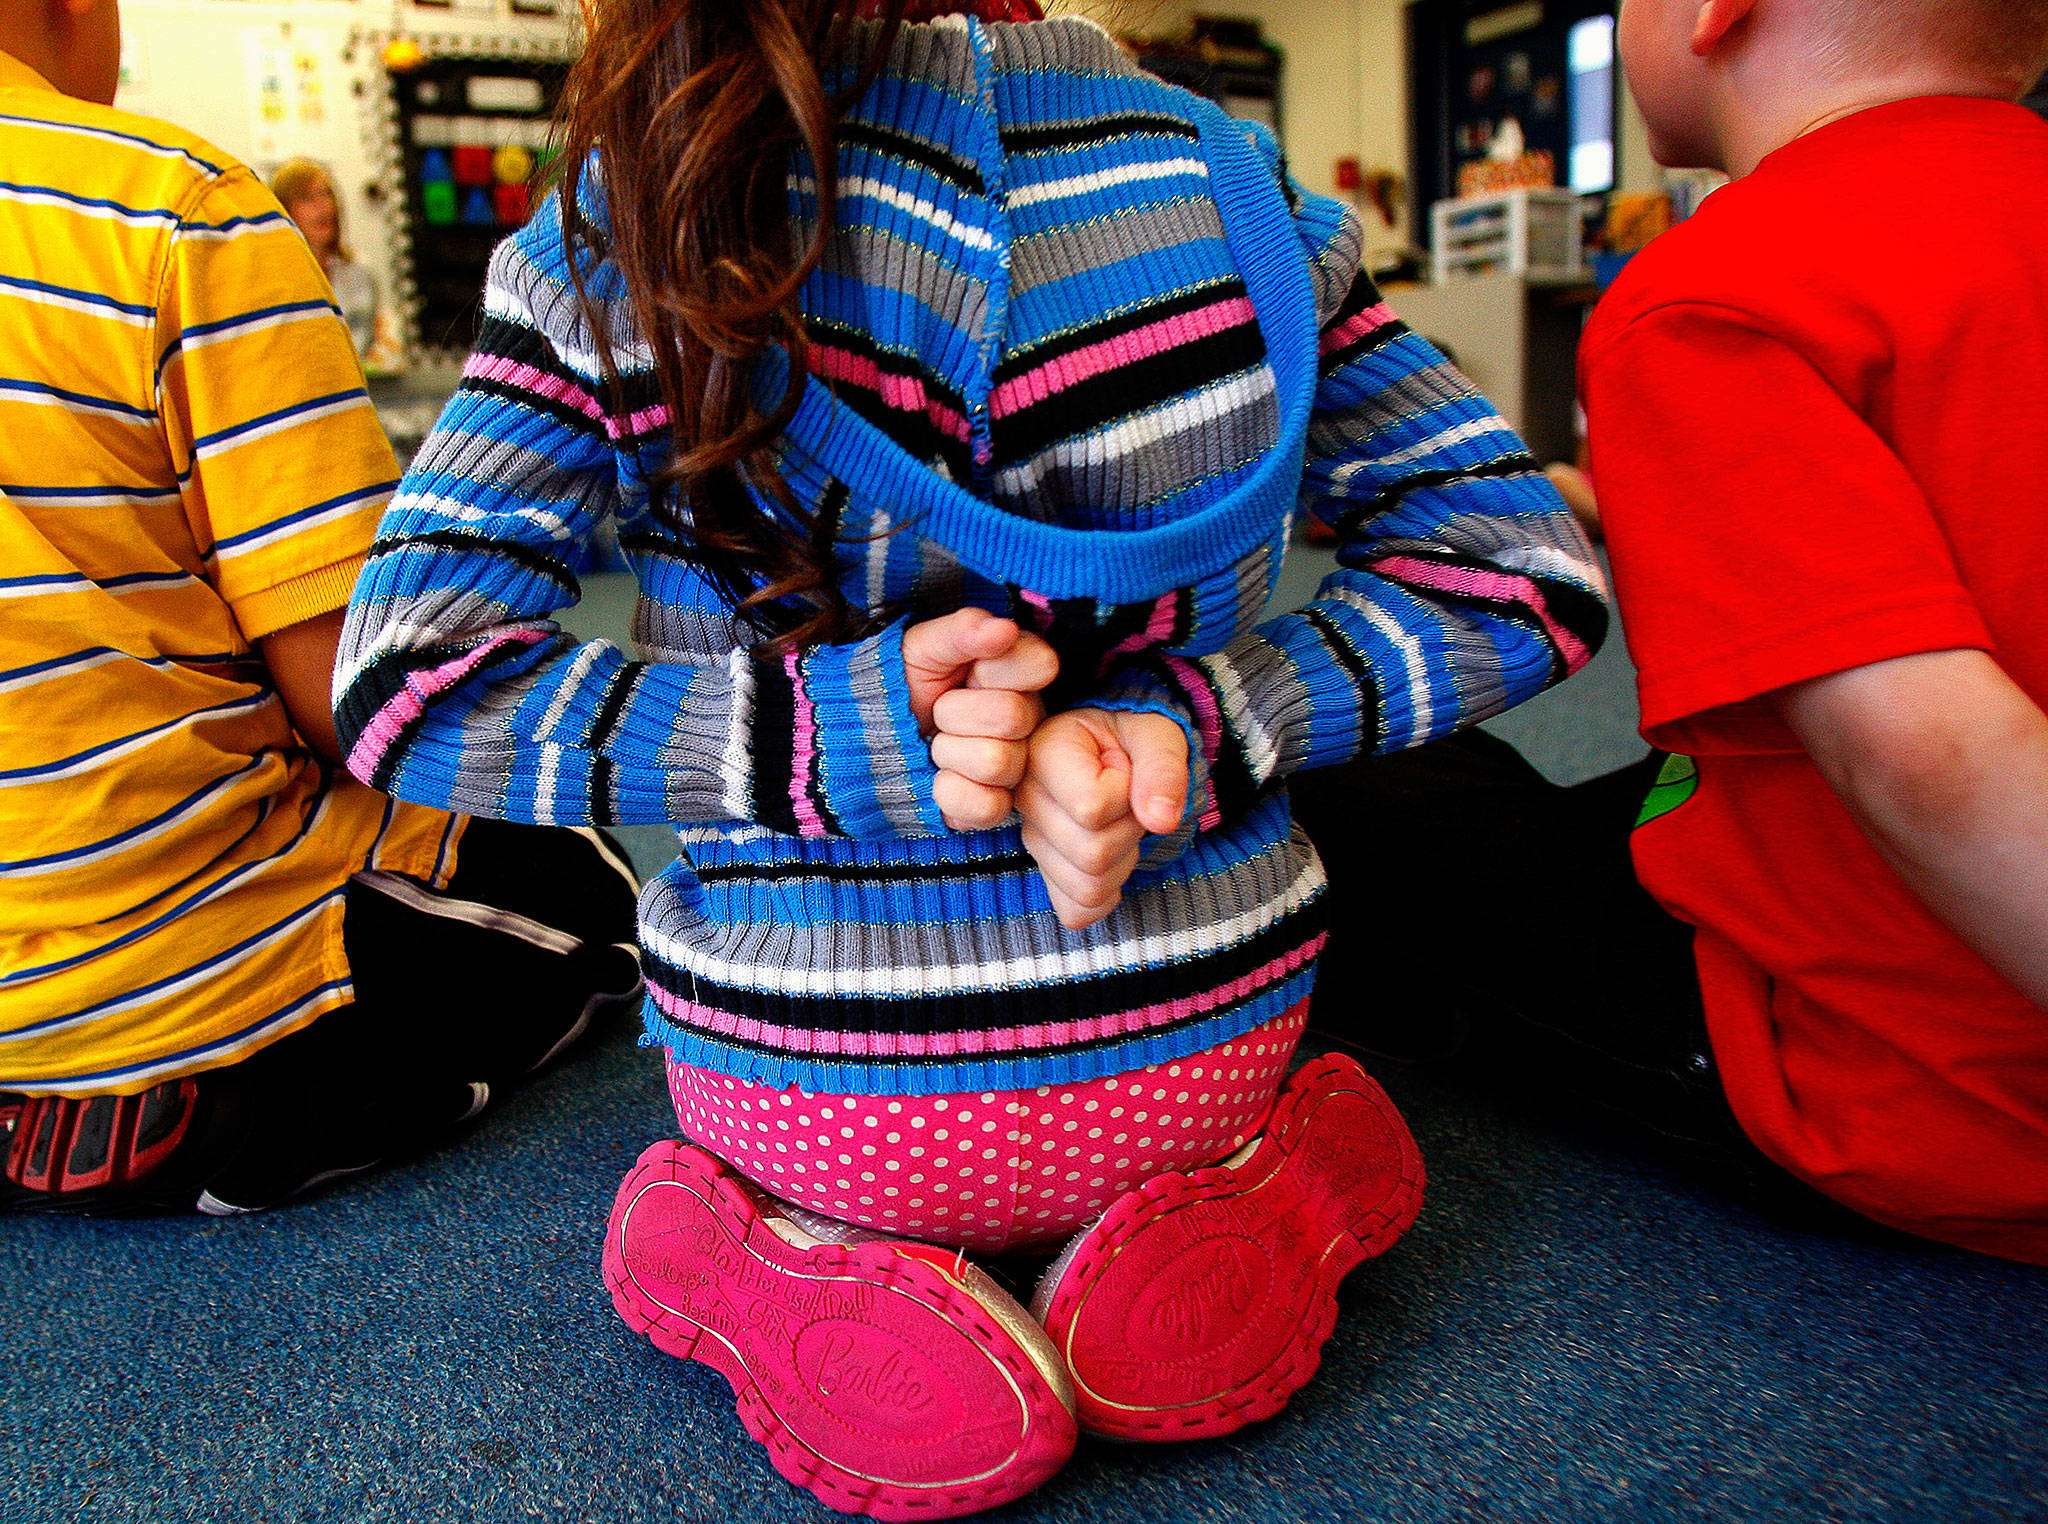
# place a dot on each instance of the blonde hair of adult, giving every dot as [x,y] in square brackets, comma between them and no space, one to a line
[298,180]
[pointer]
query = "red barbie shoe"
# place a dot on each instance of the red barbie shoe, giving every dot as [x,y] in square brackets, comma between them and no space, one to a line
[1200,1302]
[886,1378]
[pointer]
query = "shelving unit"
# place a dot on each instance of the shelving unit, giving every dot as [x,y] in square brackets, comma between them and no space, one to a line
[1531,234]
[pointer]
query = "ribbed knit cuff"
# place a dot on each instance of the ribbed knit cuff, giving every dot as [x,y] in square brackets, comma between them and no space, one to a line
[294,602]
[836,749]
[1141,691]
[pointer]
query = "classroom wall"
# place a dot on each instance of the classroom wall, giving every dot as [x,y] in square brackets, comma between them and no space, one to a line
[203,63]
[1344,92]
[269,80]
[1345,87]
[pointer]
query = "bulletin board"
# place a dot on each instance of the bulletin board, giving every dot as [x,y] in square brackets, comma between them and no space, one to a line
[1480,65]
[473,140]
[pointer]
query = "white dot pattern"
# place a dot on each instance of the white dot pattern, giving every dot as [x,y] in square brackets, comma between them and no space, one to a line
[992,1170]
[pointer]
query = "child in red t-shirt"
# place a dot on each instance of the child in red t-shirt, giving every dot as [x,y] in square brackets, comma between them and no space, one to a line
[1817,469]
[1820,441]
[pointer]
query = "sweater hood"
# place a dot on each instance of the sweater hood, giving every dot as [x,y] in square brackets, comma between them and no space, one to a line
[983,110]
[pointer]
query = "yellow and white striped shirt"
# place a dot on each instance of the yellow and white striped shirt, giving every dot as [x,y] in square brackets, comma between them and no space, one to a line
[188,462]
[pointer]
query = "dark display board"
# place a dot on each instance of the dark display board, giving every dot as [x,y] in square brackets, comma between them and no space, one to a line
[1475,64]
[473,140]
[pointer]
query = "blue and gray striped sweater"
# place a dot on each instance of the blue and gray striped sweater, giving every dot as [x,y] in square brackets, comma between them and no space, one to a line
[1079,355]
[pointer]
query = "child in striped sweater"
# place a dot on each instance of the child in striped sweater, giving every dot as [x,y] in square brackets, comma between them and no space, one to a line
[942,373]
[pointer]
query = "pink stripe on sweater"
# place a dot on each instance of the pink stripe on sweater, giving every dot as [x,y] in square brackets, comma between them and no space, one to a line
[1158,628]
[527,378]
[1041,382]
[906,393]
[555,389]
[410,702]
[1208,726]
[1356,326]
[646,421]
[1502,586]
[805,724]
[1135,1022]
[1040,608]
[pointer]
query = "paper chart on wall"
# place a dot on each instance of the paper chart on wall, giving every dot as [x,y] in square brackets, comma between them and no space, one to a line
[289,97]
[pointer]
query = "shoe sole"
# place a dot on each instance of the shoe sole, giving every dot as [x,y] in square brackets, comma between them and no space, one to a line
[1201,1302]
[876,1383]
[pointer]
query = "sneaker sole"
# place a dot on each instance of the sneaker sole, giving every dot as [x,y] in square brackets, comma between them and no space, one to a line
[876,1383]
[1201,1302]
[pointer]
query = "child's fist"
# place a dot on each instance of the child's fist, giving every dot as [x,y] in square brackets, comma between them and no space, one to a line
[1098,781]
[974,685]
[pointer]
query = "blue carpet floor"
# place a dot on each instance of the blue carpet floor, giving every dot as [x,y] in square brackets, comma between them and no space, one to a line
[1568,1333]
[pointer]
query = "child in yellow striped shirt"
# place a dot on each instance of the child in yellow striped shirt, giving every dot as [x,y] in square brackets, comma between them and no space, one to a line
[226,969]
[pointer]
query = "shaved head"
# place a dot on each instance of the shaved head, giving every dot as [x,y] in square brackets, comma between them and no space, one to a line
[2000,40]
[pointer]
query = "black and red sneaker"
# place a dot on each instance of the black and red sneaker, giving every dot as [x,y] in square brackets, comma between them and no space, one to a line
[63,1153]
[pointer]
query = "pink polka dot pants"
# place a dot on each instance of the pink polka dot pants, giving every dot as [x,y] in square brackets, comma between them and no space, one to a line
[993,1170]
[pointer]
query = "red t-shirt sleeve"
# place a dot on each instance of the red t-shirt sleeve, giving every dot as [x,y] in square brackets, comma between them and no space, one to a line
[1761,533]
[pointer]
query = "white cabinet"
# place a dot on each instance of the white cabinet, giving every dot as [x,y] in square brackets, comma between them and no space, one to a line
[1519,344]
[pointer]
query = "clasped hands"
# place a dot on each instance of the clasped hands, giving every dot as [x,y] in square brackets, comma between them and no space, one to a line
[1088,784]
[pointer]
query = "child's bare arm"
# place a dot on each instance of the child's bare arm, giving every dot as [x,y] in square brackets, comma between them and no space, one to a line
[301,661]
[1943,761]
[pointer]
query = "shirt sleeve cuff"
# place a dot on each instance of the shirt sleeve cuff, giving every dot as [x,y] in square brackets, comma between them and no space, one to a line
[297,600]
[1714,706]
[836,750]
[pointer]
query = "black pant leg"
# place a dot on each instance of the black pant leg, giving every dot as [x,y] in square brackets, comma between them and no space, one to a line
[459,994]
[1461,880]
[1476,907]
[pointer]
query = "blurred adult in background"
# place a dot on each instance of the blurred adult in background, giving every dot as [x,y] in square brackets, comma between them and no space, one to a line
[306,191]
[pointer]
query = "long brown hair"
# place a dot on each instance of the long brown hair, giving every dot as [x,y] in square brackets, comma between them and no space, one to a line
[693,108]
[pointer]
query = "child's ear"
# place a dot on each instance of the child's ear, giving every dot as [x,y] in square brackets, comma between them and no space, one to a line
[1715,20]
